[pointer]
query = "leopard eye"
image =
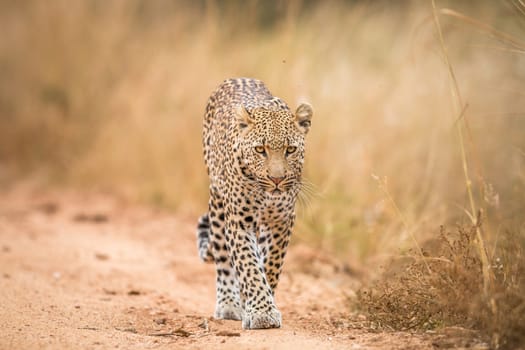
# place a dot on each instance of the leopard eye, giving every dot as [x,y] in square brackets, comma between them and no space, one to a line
[260,149]
[291,149]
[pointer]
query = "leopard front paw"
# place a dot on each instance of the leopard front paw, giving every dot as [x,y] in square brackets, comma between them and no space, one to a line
[228,312]
[261,320]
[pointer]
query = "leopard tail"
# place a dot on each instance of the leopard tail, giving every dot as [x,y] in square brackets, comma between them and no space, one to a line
[203,239]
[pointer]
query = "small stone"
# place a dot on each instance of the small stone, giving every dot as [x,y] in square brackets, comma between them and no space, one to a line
[161,320]
[204,325]
[101,256]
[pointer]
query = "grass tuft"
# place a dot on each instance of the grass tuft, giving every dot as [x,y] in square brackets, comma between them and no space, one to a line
[409,296]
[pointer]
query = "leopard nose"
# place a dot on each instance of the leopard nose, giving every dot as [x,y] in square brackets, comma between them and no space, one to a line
[276,180]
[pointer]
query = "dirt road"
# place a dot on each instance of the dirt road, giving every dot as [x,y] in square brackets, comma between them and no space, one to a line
[89,271]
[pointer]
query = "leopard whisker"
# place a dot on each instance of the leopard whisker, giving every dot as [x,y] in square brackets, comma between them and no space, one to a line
[304,201]
[309,189]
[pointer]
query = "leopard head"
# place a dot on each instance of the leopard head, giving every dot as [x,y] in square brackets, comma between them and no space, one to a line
[272,145]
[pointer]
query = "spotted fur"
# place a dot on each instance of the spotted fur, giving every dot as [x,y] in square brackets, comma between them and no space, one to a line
[254,153]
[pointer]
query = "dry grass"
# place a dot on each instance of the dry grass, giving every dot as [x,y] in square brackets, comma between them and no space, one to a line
[446,288]
[111,95]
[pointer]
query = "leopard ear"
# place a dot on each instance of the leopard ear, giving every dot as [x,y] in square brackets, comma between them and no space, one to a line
[303,116]
[244,121]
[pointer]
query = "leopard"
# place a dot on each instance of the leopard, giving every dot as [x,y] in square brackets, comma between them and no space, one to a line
[254,150]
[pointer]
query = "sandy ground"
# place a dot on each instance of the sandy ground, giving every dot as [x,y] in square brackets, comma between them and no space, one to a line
[90,271]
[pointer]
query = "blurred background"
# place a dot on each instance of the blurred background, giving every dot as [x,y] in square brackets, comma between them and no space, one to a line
[110,95]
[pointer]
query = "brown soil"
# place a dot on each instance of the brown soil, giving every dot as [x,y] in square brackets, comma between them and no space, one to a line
[84,270]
